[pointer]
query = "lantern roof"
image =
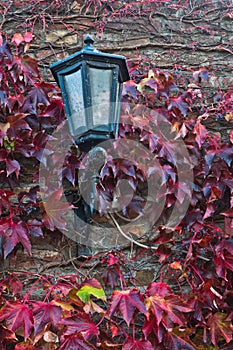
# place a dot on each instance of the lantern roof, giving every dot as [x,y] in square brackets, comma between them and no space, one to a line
[90,53]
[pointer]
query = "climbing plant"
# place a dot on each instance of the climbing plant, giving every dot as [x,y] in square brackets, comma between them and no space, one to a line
[188,304]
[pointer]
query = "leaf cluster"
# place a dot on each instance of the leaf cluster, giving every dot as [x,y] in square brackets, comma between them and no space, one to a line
[189,305]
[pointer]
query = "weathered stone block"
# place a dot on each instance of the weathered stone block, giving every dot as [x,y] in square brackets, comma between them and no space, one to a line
[61,36]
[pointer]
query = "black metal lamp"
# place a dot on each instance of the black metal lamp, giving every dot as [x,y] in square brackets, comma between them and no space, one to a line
[91,83]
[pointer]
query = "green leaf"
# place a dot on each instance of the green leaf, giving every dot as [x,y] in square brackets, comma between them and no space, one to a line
[86,291]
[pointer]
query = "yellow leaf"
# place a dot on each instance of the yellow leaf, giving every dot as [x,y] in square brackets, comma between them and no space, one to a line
[64,306]
[175,127]
[176,265]
[229,117]
[74,298]
[151,74]
[93,307]
[26,47]
[50,337]
[5,126]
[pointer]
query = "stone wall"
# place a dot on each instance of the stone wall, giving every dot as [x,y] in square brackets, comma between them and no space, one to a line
[171,35]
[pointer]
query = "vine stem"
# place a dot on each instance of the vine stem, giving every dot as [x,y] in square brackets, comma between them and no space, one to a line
[126,236]
[140,244]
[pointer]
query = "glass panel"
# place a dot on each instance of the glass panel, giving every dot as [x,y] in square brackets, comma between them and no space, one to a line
[117,108]
[101,84]
[74,94]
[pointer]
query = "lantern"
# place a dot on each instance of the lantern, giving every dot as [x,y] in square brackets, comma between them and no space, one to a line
[91,85]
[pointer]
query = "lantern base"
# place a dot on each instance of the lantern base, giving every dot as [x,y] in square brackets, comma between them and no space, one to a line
[96,159]
[90,140]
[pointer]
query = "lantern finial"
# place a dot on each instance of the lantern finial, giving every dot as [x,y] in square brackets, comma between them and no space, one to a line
[88,40]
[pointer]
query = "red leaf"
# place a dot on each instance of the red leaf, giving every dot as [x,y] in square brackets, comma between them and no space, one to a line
[230,345]
[39,94]
[35,228]
[231,136]
[228,226]
[153,142]
[56,110]
[5,50]
[219,327]
[28,36]
[130,88]
[151,326]
[44,313]
[225,153]
[92,282]
[41,148]
[81,323]
[160,288]
[225,245]
[127,168]
[30,69]
[15,285]
[17,121]
[180,104]
[127,302]
[17,315]
[201,133]
[3,155]
[173,341]
[204,299]
[31,194]
[229,14]
[112,259]
[150,82]
[54,210]
[110,277]
[6,334]
[209,211]
[228,213]
[200,74]
[169,152]
[132,344]
[12,166]
[17,39]
[76,342]
[114,330]
[70,167]
[14,233]
[26,347]
[167,309]
[224,258]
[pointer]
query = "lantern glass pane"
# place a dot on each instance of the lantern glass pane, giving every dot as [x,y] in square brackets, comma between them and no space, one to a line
[117,110]
[100,83]
[74,93]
